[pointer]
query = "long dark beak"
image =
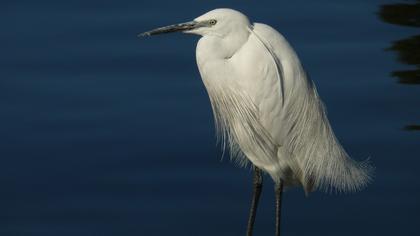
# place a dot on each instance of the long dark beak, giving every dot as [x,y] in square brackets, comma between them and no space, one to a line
[172,28]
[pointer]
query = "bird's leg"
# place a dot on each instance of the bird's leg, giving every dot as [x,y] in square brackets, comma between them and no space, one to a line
[278,191]
[257,184]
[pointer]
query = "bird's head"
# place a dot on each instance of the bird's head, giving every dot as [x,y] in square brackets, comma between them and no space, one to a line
[218,22]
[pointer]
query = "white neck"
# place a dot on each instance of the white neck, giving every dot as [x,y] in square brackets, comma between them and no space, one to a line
[220,47]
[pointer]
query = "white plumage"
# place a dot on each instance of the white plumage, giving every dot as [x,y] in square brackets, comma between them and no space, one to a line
[266,109]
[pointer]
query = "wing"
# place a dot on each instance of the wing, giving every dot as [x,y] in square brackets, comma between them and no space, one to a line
[232,92]
[259,78]
[298,122]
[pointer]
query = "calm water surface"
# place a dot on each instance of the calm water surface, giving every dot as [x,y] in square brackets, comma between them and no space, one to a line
[105,134]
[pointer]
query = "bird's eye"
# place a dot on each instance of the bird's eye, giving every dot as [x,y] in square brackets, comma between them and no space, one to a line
[212,22]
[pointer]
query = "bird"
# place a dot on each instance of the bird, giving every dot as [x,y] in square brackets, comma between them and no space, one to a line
[267,111]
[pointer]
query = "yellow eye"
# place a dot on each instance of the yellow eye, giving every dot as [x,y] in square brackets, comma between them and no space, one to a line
[212,22]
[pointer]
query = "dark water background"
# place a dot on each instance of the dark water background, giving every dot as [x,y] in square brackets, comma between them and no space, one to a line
[105,134]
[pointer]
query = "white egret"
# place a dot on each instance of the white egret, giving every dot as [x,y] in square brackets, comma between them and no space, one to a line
[266,110]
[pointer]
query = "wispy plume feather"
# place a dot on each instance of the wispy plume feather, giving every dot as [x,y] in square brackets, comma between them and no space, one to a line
[237,126]
[310,139]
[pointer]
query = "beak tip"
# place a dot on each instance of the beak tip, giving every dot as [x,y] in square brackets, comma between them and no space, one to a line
[182,27]
[143,34]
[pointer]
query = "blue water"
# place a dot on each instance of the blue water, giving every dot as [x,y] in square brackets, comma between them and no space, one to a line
[105,134]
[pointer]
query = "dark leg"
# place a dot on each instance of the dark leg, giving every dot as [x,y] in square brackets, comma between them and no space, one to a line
[257,183]
[278,190]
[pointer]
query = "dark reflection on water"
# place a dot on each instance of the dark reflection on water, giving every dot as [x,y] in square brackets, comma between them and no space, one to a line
[402,13]
[412,127]
[408,53]
[408,49]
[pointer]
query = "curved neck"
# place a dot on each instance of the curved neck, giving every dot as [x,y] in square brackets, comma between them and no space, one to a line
[221,47]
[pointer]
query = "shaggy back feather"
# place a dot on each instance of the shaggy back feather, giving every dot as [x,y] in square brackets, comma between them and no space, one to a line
[310,138]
